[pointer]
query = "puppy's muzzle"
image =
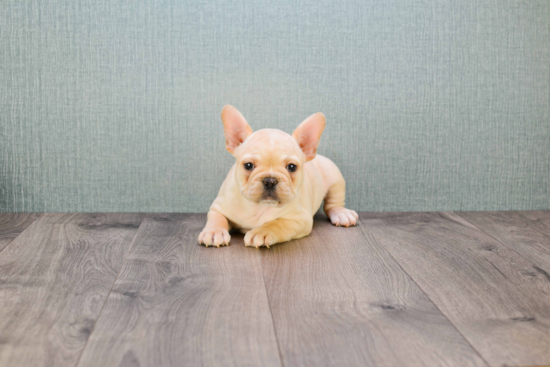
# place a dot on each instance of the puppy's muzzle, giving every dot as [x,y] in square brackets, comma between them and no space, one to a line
[269,183]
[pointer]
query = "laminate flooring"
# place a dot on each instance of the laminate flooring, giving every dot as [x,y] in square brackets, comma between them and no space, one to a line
[398,289]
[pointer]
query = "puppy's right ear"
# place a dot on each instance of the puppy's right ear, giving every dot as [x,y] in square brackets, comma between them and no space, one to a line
[235,128]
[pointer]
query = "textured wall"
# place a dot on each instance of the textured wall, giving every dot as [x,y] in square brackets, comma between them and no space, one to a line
[430,105]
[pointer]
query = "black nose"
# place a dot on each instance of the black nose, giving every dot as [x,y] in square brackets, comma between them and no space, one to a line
[269,182]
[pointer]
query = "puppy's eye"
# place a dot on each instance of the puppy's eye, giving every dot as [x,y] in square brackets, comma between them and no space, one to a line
[291,167]
[248,166]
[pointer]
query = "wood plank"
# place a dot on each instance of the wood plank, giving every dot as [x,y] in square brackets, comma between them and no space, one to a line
[176,303]
[540,219]
[516,232]
[54,280]
[489,292]
[12,224]
[339,299]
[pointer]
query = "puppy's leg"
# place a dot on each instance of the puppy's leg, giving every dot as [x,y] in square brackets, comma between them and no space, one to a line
[334,205]
[278,230]
[216,231]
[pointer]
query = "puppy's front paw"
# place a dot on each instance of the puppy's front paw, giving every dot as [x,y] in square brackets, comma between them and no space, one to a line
[214,237]
[340,216]
[259,237]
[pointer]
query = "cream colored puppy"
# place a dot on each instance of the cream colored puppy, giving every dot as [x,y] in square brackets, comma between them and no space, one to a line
[276,186]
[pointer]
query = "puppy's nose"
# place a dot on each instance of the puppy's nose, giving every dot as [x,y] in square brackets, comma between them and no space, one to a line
[269,182]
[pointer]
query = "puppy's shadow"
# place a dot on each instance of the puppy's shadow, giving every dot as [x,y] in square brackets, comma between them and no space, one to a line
[237,238]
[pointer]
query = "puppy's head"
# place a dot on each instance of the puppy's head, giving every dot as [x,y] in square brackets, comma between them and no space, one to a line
[270,162]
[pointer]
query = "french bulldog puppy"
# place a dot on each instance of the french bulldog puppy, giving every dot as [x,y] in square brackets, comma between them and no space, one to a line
[276,185]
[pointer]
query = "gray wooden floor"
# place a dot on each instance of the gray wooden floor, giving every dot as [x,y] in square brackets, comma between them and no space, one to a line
[400,289]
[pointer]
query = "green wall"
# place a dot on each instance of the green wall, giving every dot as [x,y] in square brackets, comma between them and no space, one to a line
[430,105]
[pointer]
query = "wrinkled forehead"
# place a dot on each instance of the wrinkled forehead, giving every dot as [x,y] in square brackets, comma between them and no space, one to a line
[269,142]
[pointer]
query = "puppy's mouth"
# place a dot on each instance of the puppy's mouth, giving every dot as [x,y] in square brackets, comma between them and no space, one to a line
[269,202]
[269,198]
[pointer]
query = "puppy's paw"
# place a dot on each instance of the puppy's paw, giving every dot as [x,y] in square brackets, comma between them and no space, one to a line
[214,237]
[340,216]
[259,237]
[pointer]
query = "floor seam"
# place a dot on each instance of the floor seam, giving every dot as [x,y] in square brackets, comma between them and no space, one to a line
[30,224]
[421,289]
[270,310]
[496,239]
[110,290]
[519,212]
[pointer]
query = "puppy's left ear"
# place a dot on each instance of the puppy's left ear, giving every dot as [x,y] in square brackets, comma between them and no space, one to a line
[308,134]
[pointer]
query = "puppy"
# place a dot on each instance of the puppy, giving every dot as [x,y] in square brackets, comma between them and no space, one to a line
[276,186]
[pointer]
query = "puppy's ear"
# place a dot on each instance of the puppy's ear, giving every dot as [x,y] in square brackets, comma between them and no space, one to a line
[309,133]
[235,128]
